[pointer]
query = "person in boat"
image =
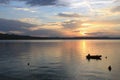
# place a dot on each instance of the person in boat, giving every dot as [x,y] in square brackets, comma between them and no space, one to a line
[88,55]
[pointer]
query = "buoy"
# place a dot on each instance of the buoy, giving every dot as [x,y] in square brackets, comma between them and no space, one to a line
[109,68]
[28,64]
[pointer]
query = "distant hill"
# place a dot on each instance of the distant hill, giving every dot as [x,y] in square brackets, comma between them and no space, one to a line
[13,36]
[23,37]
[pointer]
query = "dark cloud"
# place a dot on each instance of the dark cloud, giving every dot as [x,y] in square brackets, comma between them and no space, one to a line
[97,34]
[116,9]
[13,25]
[40,2]
[114,33]
[4,1]
[46,33]
[33,2]
[73,24]
[69,15]
[76,31]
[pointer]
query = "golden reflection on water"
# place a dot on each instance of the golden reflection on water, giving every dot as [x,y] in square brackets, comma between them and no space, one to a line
[82,46]
[67,53]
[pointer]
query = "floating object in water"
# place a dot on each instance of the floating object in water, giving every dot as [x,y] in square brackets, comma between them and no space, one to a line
[28,64]
[109,68]
[97,57]
[106,57]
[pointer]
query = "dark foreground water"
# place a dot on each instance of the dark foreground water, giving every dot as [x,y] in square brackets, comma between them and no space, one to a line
[59,60]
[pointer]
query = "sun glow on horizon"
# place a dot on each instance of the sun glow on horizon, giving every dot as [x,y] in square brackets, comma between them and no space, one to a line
[83,33]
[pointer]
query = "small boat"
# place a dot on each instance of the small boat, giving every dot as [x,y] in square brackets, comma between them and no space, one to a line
[93,56]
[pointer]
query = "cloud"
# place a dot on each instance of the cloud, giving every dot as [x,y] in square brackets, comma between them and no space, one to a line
[16,32]
[84,3]
[13,25]
[40,2]
[51,26]
[67,28]
[72,24]
[116,9]
[70,15]
[33,2]
[46,33]
[96,34]
[4,1]
[76,31]
[57,29]
[71,3]
[18,27]
[25,9]
[103,22]
[116,1]
[31,20]
[109,33]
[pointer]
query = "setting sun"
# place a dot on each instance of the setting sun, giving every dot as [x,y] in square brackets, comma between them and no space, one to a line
[83,33]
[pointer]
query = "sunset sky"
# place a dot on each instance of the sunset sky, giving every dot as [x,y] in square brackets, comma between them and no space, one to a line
[56,18]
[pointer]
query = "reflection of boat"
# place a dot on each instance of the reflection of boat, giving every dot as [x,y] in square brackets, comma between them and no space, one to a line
[93,56]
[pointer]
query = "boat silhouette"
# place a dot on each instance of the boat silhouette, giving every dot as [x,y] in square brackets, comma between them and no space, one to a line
[97,57]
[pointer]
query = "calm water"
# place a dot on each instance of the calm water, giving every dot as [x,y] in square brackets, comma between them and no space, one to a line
[59,60]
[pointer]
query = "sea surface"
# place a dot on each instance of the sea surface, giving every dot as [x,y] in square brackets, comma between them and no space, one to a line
[59,60]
